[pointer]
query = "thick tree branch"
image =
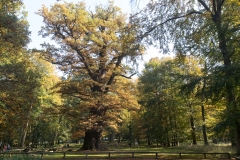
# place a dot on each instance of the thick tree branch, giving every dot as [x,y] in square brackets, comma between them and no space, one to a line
[215,7]
[204,5]
[118,63]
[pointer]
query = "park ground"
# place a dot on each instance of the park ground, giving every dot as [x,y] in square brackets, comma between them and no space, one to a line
[72,151]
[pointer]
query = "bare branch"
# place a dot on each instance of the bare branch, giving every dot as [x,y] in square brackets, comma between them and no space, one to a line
[170,19]
[128,77]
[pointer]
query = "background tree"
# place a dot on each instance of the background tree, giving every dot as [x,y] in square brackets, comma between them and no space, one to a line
[21,95]
[25,79]
[190,89]
[14,32]
[163,108]
[95,49]
[209,28]
[47,119]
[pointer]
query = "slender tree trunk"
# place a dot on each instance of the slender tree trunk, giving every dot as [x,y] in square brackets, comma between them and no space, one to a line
[148,140]
[20,137]
[237,137]
[25,128]
[112,136]
[194,138]
[232,135]
[120,137]
[55,141]
[24,135]
[192,123]
[130,131]
[176,135]
[205,138]
[168,139]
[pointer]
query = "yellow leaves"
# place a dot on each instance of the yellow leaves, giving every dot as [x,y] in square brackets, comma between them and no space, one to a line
[101,40]
[231,15]
[124,93]
[234,2]
[68,13]
[77,134]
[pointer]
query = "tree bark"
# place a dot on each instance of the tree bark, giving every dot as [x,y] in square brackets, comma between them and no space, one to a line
[237,137]
[20,137]
[92,139]
[231,95]
[24,135]
[120,135]
[232,108]
[194,138]
[112,136]
[148,140]
[25,128]
[192,123]
[205,138]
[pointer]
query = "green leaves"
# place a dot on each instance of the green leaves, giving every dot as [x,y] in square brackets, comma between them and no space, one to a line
[13,28]
[159,96]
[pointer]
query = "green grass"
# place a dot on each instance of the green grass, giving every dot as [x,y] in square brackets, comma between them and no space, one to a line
[183,147]
[163,152]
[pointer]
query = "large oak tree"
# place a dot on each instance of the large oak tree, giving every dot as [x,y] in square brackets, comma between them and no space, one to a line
[95,50]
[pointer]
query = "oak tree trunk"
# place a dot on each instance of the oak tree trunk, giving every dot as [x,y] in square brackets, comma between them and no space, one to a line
[92,140]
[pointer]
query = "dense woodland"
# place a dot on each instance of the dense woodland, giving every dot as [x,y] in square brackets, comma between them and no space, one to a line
[190,97]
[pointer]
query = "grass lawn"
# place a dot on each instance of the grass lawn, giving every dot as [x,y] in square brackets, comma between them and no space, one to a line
[123,151]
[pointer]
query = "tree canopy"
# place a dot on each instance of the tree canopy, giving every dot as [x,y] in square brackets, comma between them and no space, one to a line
[96,49]
[14,32]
